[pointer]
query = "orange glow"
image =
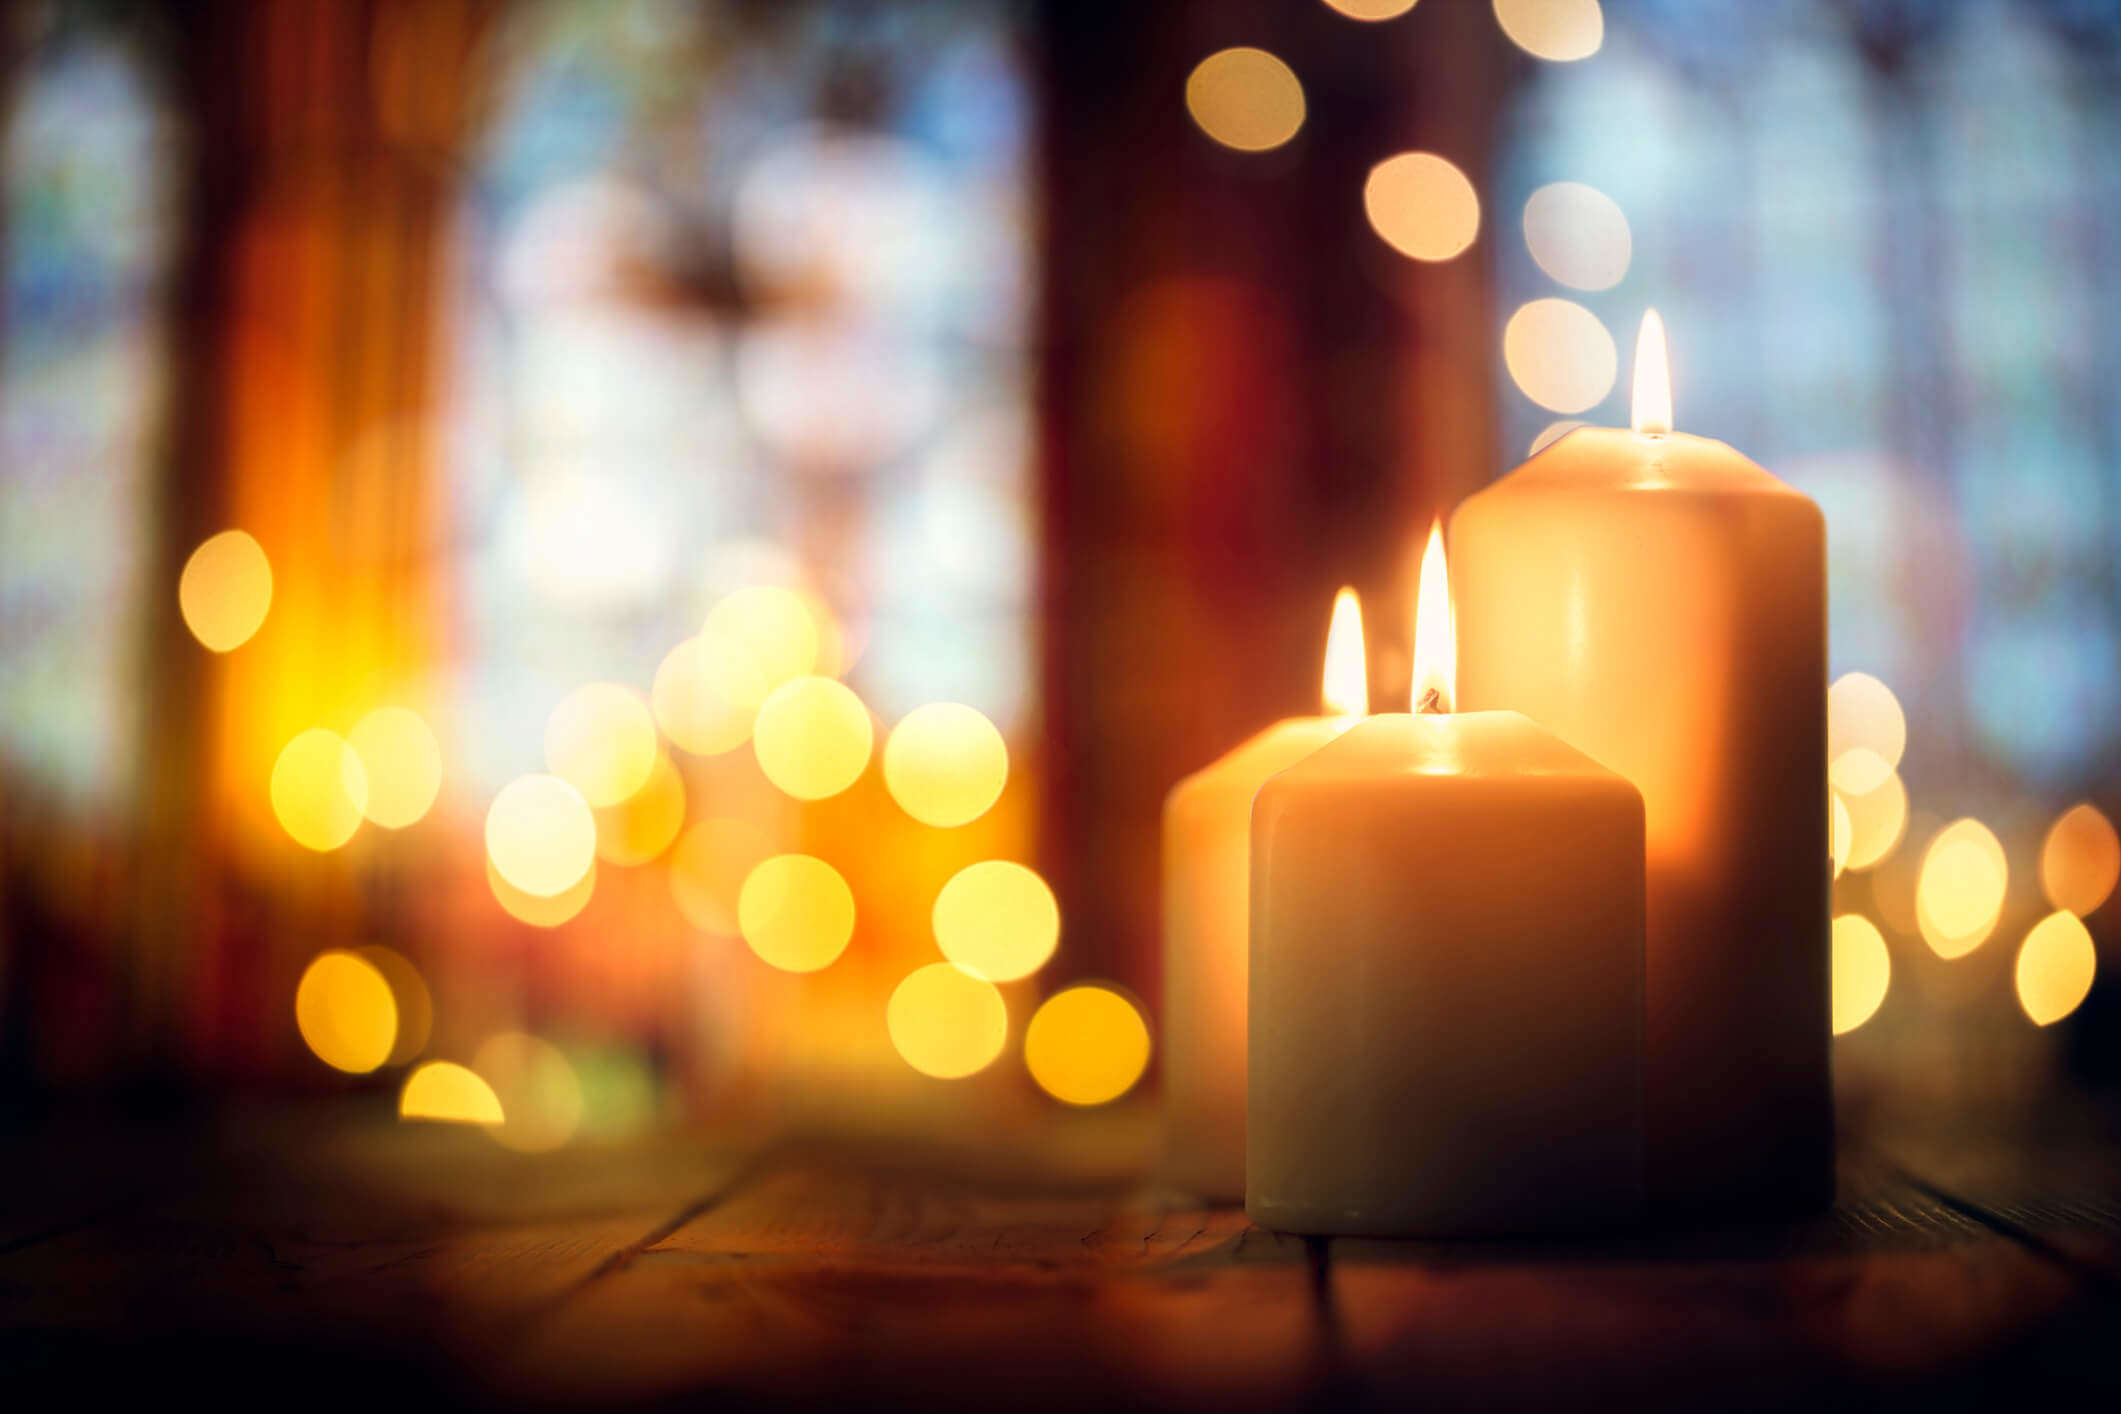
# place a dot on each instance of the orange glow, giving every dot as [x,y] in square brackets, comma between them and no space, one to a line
[1652,412]
[414,1004]
[1245,98]
[2056,964]
[1346,689]
[345,1011]
[1086,1045]
[1435,636]
[225,590]
[2080,860]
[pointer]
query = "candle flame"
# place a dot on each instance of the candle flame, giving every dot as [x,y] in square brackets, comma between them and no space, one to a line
[1346,690]
[1653,379]
[1435,635]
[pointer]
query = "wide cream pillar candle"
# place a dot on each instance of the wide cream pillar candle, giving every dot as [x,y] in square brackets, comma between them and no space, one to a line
[1447,987]
[1207,834]
[1659,601]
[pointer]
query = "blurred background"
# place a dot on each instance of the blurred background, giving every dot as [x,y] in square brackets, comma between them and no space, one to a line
[483,481]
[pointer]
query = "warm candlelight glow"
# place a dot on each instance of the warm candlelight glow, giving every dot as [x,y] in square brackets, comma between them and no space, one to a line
[1653,379]
[1435,638]
[1346,690]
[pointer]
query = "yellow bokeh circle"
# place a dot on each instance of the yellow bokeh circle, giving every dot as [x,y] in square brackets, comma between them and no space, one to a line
[319,789]
[813,737]
[1086,1045]
[2056,964]
[997,920]
[346,1013]
[1959,895]
[1559,31]
[945,764]
[1862,970]
[225,590]
[1245,98]
[542,911]
[1877,820]
[796,912]
[601,740]
[1422,206]
[946,1023]
[403,761]
[1560,355]
[706,694]
[450,1093]
[541,835]
[788,633]
[642,826]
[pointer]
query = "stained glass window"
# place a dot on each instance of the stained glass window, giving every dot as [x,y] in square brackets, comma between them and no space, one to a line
[746,299]
[88,205]
[1873,230]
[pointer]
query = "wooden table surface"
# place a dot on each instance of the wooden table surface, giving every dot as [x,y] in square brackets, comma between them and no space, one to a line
[327,1255]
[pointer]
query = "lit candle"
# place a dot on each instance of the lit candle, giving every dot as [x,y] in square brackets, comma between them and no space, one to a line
[1446,999]
[1659,601]
[1207,833]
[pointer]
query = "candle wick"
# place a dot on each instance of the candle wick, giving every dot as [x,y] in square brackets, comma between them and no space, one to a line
[1432,701]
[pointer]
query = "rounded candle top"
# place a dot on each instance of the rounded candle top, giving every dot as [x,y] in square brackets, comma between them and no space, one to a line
[1648,455]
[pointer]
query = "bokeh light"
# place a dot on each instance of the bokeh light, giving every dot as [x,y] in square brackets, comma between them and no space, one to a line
[1840,834]
[1559,355]
[796,912]
[601,740]
[403,763]
[2080,860]
[1245,98]
[1578,235]
[541,835]
[706,694]
[408,992]
[813,737]
[1863,969]
[345,1011]
[788,633]
[319,789]
[1372,9]
[1960,893]
[446,1091]
[947,1023]
[539,1093]
[708,868]
[2056,964]
[1086,1045]
[1422,206]
[642,826]
[945,764]
[997,920]
[225,590]
[1866,732]
[542,911]
[1559,31]
[1876,820]
[1553,432]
